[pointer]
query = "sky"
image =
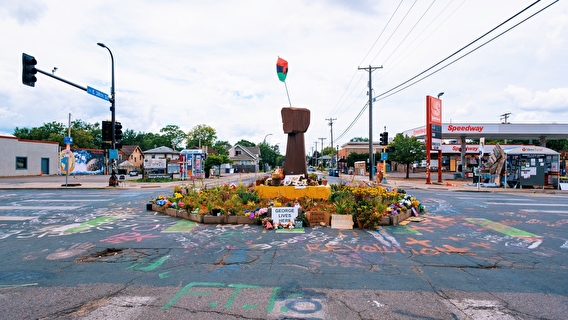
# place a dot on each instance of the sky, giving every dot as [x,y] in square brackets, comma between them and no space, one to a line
[188,63]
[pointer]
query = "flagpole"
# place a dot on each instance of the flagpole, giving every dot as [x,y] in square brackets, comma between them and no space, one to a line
[287,94]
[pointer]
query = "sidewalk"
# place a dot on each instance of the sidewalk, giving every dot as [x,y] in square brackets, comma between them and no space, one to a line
[449,183]
[102,182]
[393,179]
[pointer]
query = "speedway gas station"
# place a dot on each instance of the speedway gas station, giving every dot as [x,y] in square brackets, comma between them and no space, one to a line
[523,165]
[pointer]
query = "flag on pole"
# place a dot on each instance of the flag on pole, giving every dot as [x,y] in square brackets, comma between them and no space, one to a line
[282,69]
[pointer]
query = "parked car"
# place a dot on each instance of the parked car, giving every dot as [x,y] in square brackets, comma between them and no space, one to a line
[311,169]
[133,173]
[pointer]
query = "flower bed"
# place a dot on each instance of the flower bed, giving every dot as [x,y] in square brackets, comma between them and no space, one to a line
[369,206]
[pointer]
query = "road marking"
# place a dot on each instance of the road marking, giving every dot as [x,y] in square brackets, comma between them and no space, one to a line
[39,207]
[63,200]
[501,228]
[479,309]
[121,308]
[530,204]
[16,218]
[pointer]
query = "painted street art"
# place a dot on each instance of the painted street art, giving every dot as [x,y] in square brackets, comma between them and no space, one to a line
[277,302]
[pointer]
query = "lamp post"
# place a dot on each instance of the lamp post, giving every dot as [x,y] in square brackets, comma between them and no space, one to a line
[112,181]
[264,141]
[264,164]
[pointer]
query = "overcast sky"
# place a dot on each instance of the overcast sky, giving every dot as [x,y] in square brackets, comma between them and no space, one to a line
[213,62]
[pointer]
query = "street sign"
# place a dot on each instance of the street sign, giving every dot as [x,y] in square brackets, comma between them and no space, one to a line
[97,93]
[68,140]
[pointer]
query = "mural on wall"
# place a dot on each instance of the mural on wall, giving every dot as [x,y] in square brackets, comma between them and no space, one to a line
[87,161]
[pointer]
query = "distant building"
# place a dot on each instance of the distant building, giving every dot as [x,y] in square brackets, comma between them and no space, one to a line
[245,159]
[133,154]
[27,157]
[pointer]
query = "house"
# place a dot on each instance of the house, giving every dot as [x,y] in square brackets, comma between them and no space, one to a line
[245,159]
[162,160]
[132,154]
[161,153]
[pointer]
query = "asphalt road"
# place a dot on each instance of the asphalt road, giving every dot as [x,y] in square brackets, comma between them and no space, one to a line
[97,253]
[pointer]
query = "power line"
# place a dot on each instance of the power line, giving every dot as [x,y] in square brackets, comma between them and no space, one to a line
[463,48]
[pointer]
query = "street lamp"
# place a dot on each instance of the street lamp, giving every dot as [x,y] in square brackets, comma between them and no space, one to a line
[264,141]
[112,181]
[440,94]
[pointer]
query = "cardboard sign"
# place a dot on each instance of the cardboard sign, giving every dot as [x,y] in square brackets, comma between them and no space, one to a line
[284,214]
[316,217]
[341,221]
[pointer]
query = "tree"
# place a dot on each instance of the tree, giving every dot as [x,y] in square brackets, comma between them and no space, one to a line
[222,147]
[201,135]
[245,143]
[359,139]
[407,150]
[329,151]
[268,155]
[216,160]
[174,135]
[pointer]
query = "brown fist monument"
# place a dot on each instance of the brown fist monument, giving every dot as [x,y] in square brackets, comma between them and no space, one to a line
[295,123]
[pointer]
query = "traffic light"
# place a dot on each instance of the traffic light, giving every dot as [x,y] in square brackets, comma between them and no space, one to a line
[382,141]
[117,131]
[386,138]
[28,70]
[107,131]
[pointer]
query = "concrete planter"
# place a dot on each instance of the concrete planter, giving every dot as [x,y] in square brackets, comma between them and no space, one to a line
[245,220]
[158,208]
[171,212]
[208,219]
[196,217]
[184,214]
[232,219]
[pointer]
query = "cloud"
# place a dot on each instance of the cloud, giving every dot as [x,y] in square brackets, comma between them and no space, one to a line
[24,12]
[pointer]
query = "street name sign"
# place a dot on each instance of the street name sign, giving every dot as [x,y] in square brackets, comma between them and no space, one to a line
[97,93]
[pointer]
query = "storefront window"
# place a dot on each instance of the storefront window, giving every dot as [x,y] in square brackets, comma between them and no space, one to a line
[21,163]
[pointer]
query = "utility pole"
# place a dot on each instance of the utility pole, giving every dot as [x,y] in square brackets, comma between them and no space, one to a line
[322,146]
[331,129]
[370,93]
[316,162]
[505,117]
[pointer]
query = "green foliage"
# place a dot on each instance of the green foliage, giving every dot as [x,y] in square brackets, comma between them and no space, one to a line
[173,135]
[201,135]
[245,143]
[329,151]
[407,150]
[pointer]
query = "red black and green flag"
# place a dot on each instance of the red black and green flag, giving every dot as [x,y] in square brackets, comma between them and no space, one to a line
[282,69]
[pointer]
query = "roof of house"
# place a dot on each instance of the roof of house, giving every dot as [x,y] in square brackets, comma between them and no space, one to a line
[128,150]
[164,150]
[249,153]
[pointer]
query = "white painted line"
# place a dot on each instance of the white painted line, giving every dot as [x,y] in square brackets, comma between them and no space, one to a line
[63,200]
[530,204]
[479,309]
[120,308]
[39,207]
[15,218]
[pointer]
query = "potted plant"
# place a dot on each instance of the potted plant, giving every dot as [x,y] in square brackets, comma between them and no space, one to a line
[324,180]
[301,220]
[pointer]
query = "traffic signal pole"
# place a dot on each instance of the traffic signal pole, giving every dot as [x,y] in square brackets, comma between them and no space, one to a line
[113,181]
[61,79]
[29,71]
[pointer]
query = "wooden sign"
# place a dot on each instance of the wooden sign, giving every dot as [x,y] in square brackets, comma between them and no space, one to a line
[317,217]
[341,221]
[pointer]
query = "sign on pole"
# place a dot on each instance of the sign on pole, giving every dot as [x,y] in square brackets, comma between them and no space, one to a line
[97,93]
